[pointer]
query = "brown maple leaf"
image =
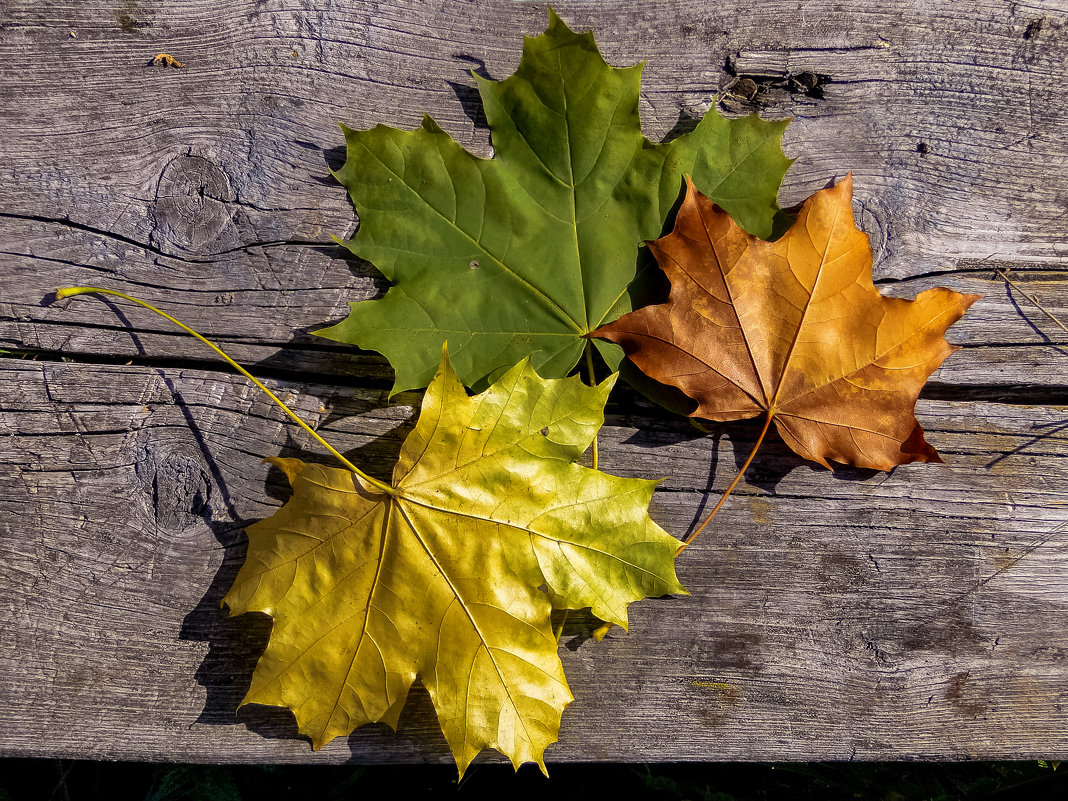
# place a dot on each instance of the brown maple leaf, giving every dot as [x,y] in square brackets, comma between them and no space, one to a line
[794,329]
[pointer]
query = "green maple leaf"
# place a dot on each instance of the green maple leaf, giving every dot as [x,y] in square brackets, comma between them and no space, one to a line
[527,252]
[451,572]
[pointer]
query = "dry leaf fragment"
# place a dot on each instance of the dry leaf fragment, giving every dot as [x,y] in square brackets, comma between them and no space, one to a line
[794,329]
[167,60]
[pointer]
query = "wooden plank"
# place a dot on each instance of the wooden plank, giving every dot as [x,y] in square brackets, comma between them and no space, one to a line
[1009,342]
[912,614]
[207,188]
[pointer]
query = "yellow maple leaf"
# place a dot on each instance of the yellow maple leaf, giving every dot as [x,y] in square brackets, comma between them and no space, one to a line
[451,573]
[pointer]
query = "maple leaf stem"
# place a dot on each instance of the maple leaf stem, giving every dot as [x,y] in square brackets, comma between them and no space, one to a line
[592,382]
[730,489]
[67,292]
[1033,299]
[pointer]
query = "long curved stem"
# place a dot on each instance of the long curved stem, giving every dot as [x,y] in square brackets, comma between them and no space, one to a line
[592,382]
[730,489]
[601,631]
[85,290]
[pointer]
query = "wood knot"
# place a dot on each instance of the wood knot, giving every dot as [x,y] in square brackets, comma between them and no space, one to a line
[770,84]
[177,487]
[191,204]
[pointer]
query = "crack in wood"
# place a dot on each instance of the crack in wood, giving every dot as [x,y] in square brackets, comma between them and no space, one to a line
[208,259]
[1018,394]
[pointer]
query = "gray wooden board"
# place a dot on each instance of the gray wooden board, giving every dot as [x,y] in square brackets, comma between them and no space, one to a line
[912,614]
[916,614]
[207,189]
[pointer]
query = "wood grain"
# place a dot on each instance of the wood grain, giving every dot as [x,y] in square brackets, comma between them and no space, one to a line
[207,188]
[911,614]
[915,614]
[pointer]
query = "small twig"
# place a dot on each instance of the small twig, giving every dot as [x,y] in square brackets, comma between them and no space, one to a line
[1004,274]
[63,768]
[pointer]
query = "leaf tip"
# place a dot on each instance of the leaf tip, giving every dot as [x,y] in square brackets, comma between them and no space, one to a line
[446,360]
[350,134]
[446,380]
[557,24]
[561,32]
[429,125]
[607,384]
[916,448]
[463,762]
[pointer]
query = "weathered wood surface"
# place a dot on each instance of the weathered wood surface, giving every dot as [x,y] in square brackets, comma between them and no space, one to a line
[207,187]
[918,614]
[863,615]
